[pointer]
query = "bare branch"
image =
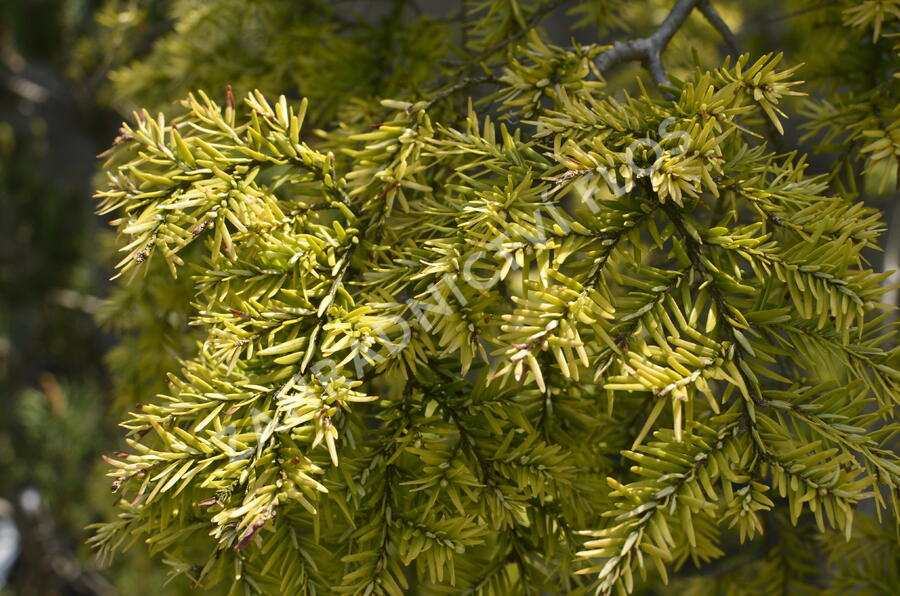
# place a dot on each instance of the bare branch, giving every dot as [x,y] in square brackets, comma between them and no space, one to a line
[649,49]
[715,19]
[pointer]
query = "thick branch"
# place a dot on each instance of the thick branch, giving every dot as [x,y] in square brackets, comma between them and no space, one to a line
[649,49]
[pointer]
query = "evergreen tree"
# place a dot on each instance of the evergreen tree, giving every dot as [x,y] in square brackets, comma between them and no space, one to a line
[497,320]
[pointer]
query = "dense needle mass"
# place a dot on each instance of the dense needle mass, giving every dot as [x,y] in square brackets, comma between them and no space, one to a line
[570,350]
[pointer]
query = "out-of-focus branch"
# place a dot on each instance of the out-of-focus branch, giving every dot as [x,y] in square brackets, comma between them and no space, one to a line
[715,19]
[50,565]
[892,260]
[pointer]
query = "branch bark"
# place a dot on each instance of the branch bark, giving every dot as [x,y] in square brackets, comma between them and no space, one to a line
[715,19]
[649,49]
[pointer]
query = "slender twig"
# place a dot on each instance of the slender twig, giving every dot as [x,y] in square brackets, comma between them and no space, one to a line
[797,13]
[458,86]
[532,22]
[715,19]
[469,81]
[649,49]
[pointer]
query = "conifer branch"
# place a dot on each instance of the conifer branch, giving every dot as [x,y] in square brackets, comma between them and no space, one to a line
[461,85]
[533,21]
[405,327]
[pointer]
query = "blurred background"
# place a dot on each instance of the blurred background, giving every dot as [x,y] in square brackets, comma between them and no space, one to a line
[76,354]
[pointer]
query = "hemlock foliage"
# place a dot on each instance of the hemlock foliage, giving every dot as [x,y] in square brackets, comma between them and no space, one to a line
[494,324]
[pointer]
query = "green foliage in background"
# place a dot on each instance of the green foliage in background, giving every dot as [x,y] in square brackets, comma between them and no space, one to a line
[54,391]
[490,325]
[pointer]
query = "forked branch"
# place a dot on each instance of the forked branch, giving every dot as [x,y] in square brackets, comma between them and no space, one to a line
[648,50]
